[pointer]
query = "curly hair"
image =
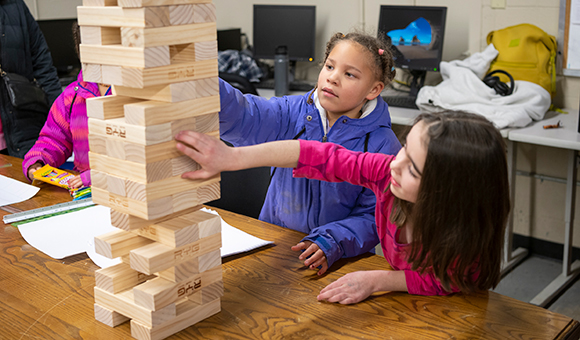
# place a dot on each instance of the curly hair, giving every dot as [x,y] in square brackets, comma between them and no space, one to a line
[379,51]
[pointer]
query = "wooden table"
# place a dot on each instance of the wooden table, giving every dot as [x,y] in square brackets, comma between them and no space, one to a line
[268,295]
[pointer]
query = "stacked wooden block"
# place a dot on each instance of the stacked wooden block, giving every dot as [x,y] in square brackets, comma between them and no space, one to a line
[161,58]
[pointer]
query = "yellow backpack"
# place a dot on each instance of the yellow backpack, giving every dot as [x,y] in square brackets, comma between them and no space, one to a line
[527,53]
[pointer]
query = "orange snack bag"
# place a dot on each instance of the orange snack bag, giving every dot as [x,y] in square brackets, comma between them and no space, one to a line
[52,175]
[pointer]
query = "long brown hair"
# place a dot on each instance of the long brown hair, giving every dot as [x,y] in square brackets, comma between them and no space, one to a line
[462,206]
[384,65]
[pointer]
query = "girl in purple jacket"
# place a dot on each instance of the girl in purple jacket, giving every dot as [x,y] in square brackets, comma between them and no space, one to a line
[345,108]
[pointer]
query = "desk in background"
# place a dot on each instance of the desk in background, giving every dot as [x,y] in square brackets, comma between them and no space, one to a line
[268,294]
[566,137]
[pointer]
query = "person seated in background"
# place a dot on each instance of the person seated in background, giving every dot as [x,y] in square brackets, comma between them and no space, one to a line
[23,51]
[66,130]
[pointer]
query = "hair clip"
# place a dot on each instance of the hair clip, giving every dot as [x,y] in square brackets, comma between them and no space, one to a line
[392,68]
[381,51]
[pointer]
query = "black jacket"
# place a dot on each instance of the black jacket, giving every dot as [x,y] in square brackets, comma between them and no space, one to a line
[23,50]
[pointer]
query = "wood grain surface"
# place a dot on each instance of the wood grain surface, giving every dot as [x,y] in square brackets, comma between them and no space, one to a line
[268,294]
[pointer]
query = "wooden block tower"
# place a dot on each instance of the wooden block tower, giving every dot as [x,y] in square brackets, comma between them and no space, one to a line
[161,58]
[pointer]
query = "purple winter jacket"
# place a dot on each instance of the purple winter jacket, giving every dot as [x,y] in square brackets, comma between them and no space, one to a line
[66,131]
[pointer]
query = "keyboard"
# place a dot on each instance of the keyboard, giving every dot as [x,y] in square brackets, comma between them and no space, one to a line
[293,86]
[401,101]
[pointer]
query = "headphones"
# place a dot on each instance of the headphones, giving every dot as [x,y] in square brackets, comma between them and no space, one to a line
[500,87]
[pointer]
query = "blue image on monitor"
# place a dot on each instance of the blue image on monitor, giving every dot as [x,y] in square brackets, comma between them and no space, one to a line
[417,32]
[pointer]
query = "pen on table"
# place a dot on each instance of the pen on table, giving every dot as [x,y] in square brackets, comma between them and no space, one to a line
[5,165]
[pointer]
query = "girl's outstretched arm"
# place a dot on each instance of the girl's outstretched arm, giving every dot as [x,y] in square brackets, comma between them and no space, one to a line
[357,286]
[214,156]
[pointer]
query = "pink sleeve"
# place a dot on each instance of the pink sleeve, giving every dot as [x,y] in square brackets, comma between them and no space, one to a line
[425,284]
[86,178]
[334,163]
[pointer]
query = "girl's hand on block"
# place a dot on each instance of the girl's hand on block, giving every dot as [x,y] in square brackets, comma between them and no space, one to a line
[75,182]
[209,152]
[312,255]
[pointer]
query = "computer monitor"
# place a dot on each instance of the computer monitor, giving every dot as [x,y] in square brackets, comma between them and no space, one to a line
[59,38]
[229,39]
[280,25]
[416,34]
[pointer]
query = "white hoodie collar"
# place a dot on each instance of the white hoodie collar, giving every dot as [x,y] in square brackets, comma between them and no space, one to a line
[366,110]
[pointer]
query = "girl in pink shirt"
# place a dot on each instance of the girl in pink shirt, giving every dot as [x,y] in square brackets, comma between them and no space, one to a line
[442,201]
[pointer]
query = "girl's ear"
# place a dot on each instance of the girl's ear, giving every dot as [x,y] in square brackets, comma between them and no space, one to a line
[376,90]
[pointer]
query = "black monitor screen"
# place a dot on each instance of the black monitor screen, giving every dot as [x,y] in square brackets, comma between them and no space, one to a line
[58,36]
[230,39]
[416,34]
[290,26]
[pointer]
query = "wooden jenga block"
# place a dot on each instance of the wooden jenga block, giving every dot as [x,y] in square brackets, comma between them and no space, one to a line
[119,277]
[117,128]
[158,293]
[145,3]
[128,222]
[147,113]
[92,72]
[189,313]
[115,16]
[97,35]
[156,257]
[109,317]
[143,183]
[108,107]
[182,271]
[182,230]
[98,179]
[116,148]
[159,208]
[204,13]
[203,194]
[181,14]
[156,190]
[123,303]
[169,35]
[133,152]
[144,77]
[145,210]
[175,92]
[118,243]
[118,55]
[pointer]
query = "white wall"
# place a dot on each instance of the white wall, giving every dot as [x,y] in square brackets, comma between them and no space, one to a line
[53,9]
[345,15]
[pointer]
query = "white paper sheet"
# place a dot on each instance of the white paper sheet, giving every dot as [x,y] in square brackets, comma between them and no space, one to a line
[70,234]
[13,191]
[235,241]
[74,233]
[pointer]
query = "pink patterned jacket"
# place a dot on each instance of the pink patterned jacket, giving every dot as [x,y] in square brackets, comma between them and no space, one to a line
[66,131]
